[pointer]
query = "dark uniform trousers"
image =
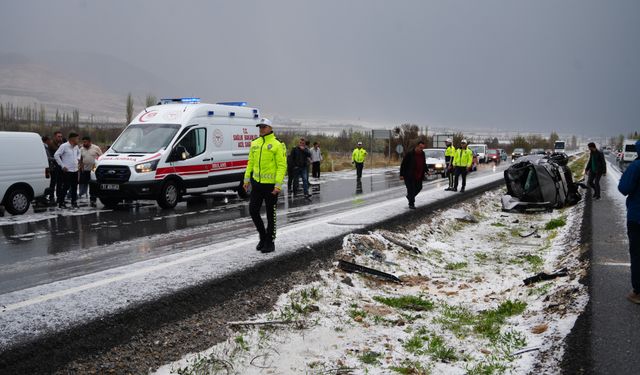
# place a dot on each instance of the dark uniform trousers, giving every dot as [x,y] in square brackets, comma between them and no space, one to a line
[449,171]
[359,167]
[460,171]
[259,193]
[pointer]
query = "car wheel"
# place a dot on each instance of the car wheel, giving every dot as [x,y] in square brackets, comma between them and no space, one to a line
[241,192]
[169,195]
[110,202]
[17,201]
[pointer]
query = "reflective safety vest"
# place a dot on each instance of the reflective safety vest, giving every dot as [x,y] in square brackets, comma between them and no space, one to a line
[359,154]
[449,153]
[267,161]
[463,158]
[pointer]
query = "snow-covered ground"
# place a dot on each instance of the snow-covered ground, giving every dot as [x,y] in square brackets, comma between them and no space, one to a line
[462,307]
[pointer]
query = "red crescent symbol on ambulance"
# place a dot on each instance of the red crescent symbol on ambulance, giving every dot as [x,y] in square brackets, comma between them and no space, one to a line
[147,116]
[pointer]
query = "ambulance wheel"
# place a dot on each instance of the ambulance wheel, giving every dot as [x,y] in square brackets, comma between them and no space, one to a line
[169,195]
[110,202]
[17,201]
[241,192]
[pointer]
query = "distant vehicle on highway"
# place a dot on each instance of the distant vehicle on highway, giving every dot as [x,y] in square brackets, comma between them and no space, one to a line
[629,153]
[493,155]
[24,170]
[435,162]
[181,147]
[481,150]
[537,151]
[559,146]
[517,152]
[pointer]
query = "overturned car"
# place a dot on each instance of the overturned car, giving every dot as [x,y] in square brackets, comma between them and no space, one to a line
[538,182]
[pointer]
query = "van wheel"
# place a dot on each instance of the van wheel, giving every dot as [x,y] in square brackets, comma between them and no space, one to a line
[17,201]
[169,195]
[110,202]
[241,192]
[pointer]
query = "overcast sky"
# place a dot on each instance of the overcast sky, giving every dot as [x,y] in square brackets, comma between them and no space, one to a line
[570,66]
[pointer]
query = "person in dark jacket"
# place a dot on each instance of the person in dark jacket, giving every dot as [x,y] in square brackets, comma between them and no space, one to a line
[630,186]
[300,160]
[596,167]
[412,172]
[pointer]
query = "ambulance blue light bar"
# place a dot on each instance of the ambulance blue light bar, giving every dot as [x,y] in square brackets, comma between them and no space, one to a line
[236,104]
[180,100]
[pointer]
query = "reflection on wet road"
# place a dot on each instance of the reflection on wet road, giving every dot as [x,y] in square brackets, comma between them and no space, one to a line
[43,247]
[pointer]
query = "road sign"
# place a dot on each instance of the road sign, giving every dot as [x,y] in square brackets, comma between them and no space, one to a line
[381,133]
[399,149]
[439,140]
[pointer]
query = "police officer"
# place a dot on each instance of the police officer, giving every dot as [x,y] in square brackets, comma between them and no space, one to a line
[462,160]
[265,172]
[448,159]
[358,156]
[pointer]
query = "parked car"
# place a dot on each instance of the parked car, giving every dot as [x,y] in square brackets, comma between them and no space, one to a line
[517,152]
[481,150]
[24,170]
[435,161]
[537,151]
[493,155]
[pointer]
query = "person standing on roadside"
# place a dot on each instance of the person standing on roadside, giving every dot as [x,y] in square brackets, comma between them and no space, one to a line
[596,168]
[68,157]
[300,157]
[449,153]
[265,172]
[629,185]
[462,160]
[316,159]
[56,184]
[89,153]
[412,172]
[358,156]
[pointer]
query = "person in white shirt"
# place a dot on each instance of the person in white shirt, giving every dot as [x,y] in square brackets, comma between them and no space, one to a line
[316,158]
[89,153]
[68,157]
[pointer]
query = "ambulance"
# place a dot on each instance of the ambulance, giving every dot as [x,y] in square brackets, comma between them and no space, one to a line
[179,147]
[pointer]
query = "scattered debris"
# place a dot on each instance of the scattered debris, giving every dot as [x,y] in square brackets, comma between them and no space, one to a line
[526,350]
[265,322]
[468,218]
[403,245]
[535,231]
[539,328]
[542,276]
[347,280]
[352,267]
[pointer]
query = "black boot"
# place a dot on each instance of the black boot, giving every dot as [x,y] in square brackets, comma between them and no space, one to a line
[260,245]
[268,247]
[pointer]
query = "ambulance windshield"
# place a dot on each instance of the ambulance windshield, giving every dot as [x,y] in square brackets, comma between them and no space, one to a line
[145,138]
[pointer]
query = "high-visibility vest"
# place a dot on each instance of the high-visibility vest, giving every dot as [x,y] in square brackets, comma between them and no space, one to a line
[267,161]
[449,153]
[463,158]
[359,154]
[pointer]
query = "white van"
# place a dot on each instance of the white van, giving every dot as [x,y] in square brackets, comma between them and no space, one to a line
[480,150]
[629,153]
[180,147]
[24,170]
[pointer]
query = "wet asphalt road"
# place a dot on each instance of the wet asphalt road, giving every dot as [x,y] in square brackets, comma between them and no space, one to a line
[51,245]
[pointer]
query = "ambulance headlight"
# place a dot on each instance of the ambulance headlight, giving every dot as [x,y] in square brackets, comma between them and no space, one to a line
[439,166]
[147,167]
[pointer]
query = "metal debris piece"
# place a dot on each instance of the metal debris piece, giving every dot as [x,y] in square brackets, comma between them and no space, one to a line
[403,245]
[525,350]
[352,267]
[528,235]
[542,276]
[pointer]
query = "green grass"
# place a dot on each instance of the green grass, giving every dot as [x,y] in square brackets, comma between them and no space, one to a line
[555,223]
[411,368]
[370,357]
[455,266]
[481,257]
[497,225]
[540,290]
[354,313]
[534,261]
[415,303]
[487,368]
[242,344]
[461,321]
[424,342]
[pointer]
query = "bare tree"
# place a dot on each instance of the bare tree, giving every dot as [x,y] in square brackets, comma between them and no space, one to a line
[129,108]
[150,100]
